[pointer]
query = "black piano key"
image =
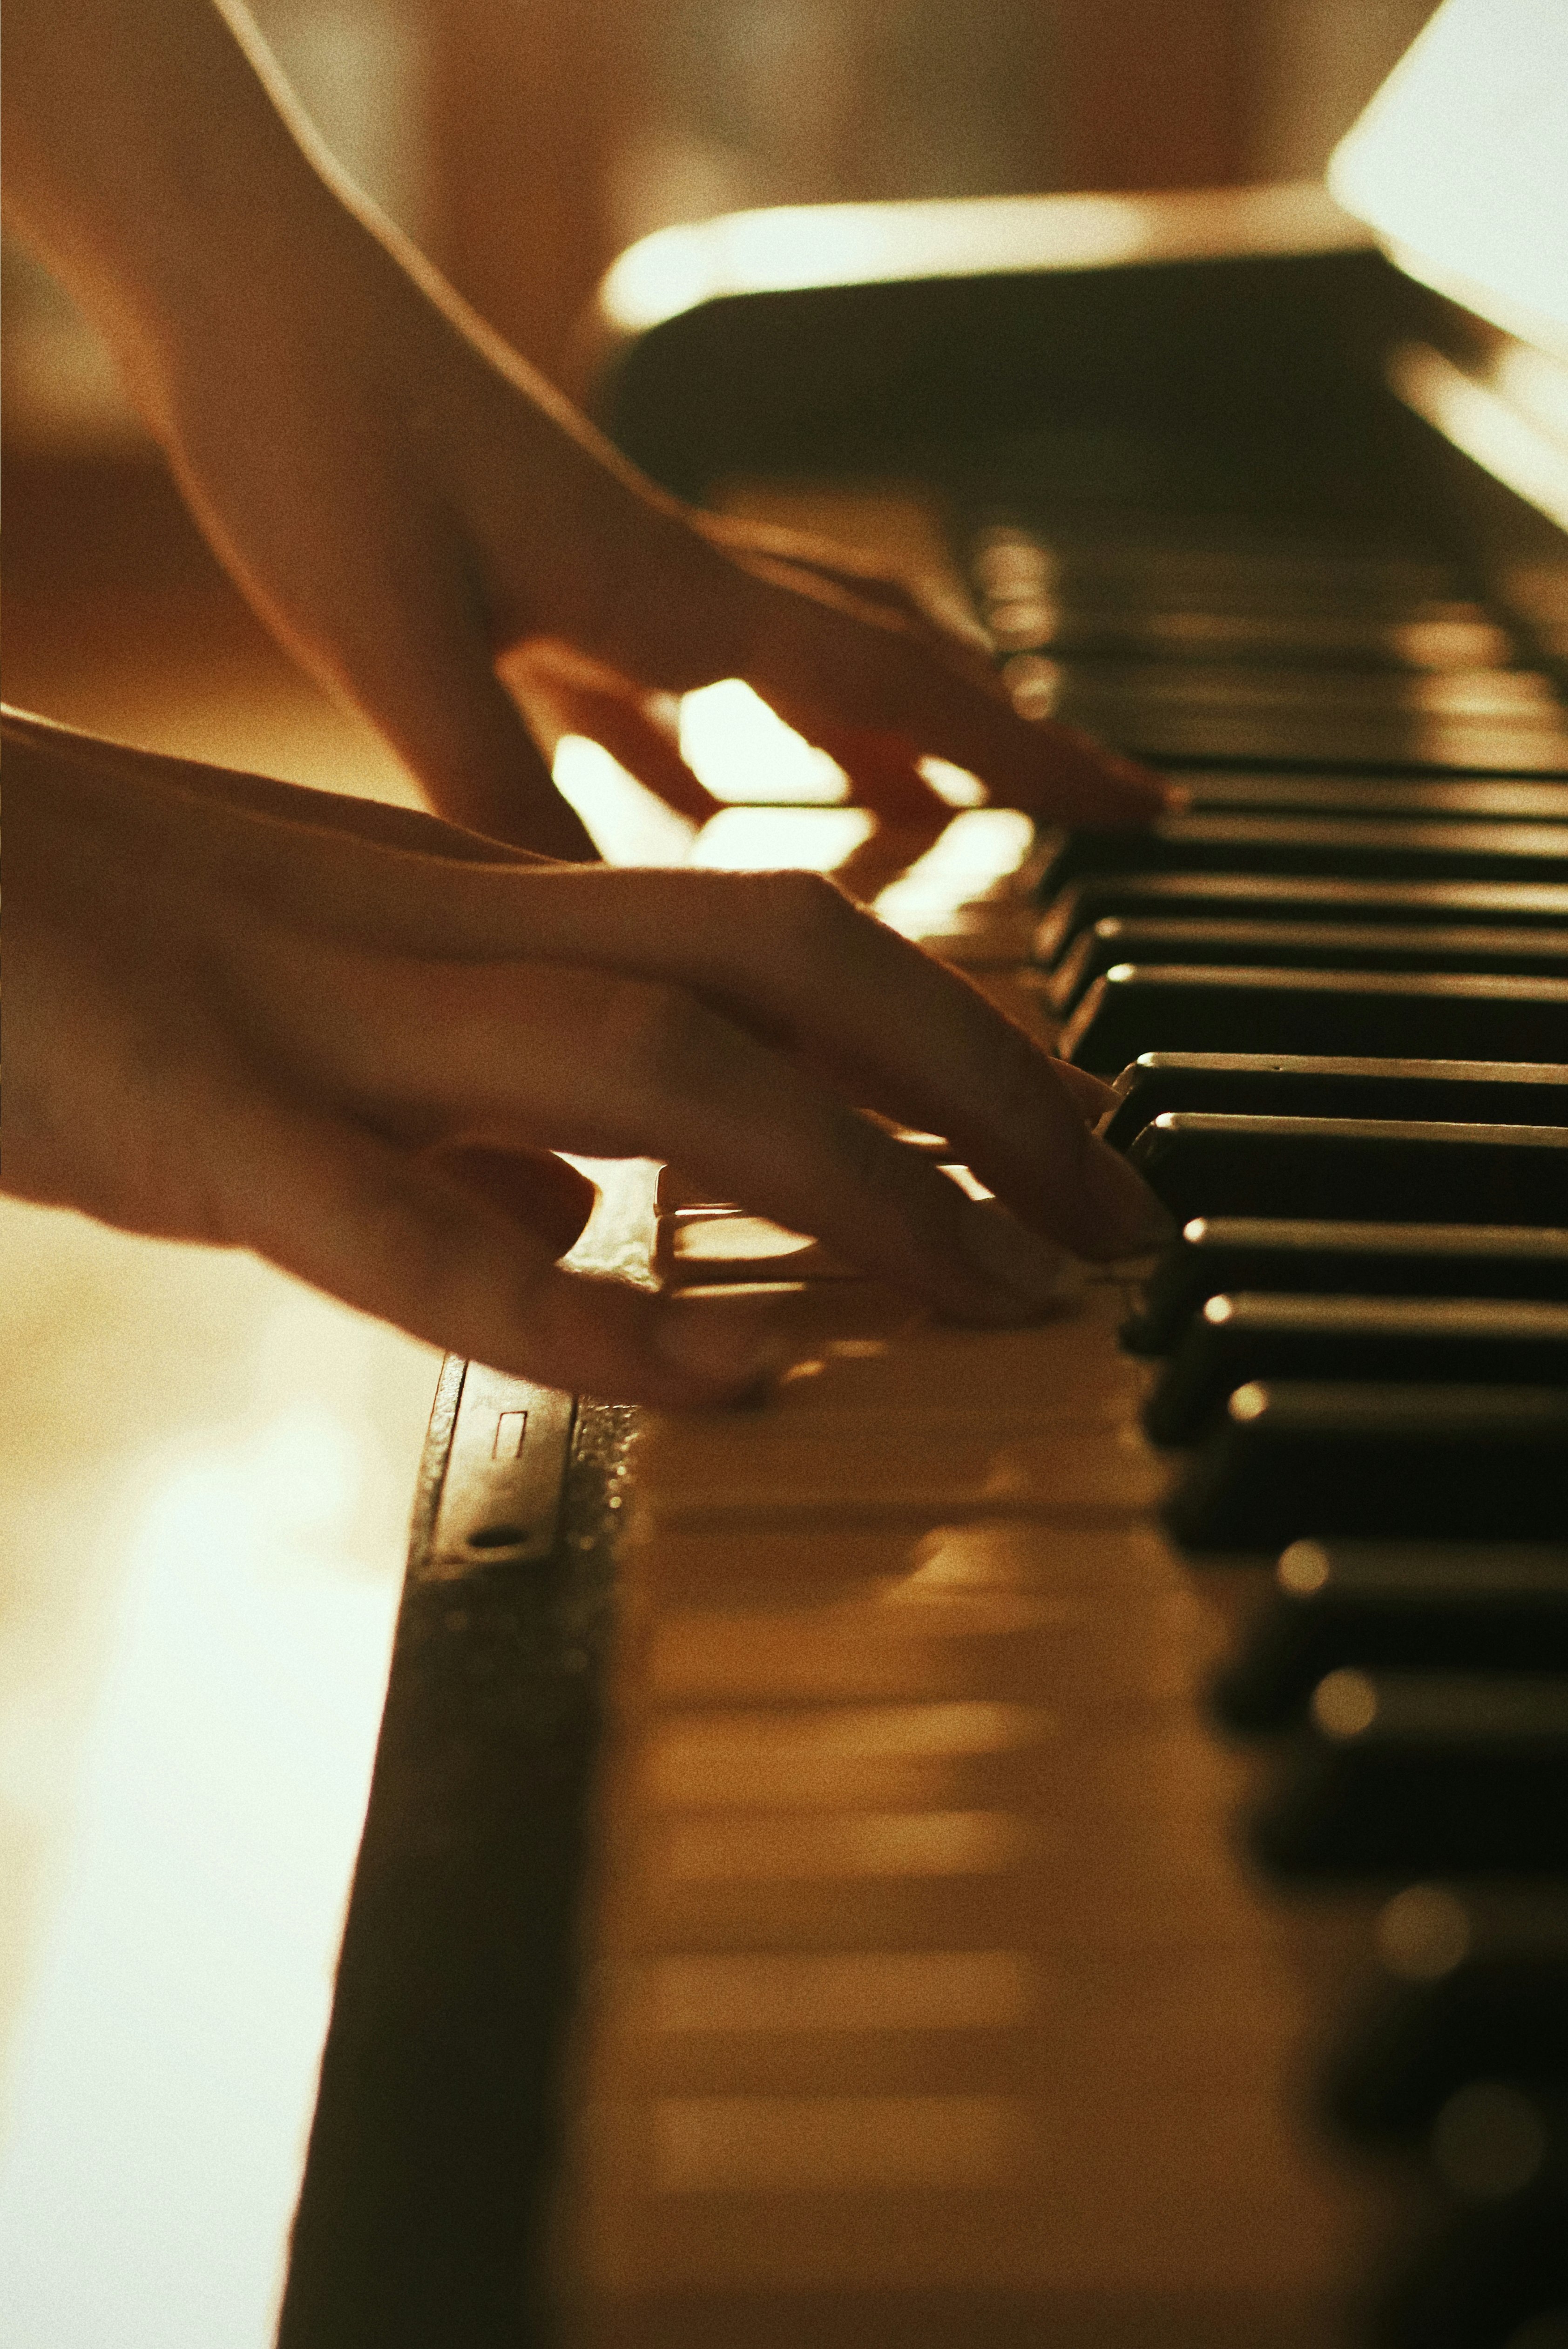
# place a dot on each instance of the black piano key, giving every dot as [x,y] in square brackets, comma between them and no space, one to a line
[1330,706]
[1278,1085]
[1508,697]
[1249,897]
[1169,1008]
[1456,1341]
[1304,946]
[1289,1461]
[1024,613]
[1320,847]
[1505,720]
[1199,567]
[1157,730]
[1482,1607]
[1496,2274]
[1416,1773]
[1473,1985]
[1214,1253]
[1367,1170]
[1483,798]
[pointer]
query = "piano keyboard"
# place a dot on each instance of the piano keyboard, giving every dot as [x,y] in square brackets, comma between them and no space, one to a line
[985,1835]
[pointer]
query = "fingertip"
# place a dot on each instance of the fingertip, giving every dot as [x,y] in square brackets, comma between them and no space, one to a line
[723,1347]
[535,1188]
[1140,792]
[1164,795]
[1090,1095]
[1124,1217]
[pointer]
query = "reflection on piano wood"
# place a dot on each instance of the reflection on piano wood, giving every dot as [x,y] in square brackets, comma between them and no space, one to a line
[943,1974]
[931,2003]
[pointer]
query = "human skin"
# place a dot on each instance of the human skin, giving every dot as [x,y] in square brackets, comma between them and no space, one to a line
[353,1038]
[407,504]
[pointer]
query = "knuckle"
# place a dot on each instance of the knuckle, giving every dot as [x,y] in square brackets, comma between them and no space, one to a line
[810,913]
[657,1038]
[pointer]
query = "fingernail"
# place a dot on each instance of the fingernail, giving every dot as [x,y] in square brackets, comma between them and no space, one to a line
[1009,1256]
[1131,1218]
[732,1343]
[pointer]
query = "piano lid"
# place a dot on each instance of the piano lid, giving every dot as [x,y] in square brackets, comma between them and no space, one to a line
[793,247]
[1433,264]
[1459,165]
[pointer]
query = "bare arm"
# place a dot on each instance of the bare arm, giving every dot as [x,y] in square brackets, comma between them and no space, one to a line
[406,503]
[241,1015]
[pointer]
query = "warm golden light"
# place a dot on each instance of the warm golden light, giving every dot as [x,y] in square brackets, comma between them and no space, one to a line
[1460,162]
[162,2073]
[1479,419]
[793,246]
[882,1989]
[1304,1569]
[976,855]
[628,823]
[956,785]
[741,749]
[1344,1704]
[818,2145]
[772,839]
[807,1846]
[1423,1933]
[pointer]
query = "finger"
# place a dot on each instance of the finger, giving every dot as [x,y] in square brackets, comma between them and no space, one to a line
[817,658]
[1092,1094]
[929,606]
[888,854]
[619,1067]
[644,748]
[897,1031]
[922,598]
[376,821]
[884,773]
[535,1187]
[789,959]
[350,1214]
[420,668]
[548,1055]
[463,737]
[942,624]
[677,1080]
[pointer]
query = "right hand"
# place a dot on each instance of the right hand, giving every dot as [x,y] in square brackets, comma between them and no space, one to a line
[353,1038]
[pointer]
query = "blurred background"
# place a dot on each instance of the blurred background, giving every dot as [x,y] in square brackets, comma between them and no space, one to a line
[524,142]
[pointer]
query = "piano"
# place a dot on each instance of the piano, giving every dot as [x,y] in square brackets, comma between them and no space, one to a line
[1062,1835]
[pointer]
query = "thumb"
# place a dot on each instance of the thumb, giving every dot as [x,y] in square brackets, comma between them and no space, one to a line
[390,1234]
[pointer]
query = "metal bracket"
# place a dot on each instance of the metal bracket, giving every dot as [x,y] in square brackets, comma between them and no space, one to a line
[500,1498]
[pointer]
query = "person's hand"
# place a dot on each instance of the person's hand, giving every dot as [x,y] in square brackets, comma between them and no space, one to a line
[352,1039]
[409,506]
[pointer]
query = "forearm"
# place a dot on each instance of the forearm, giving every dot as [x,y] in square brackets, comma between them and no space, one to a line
[404,498]
[149,148]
